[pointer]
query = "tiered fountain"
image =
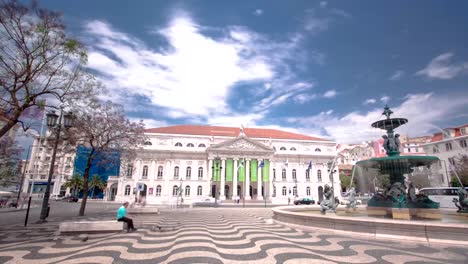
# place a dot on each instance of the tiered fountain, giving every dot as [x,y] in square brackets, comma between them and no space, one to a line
[388,211]
[398,200]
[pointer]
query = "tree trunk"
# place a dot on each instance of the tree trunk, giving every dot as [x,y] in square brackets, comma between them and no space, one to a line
[85,182]
[92,194]
[9,125]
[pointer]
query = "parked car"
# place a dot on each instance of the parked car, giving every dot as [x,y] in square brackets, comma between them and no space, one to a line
[305,200]
[56,197]
[70,199]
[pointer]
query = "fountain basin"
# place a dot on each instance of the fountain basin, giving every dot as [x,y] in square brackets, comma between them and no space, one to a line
[358,224]
[390,123]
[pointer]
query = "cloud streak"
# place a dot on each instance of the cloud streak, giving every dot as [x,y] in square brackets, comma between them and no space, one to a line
[441,68]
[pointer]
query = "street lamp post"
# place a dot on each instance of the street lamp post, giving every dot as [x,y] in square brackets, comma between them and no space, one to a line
[180,191]
[52,123]
[331,170]
[216,167]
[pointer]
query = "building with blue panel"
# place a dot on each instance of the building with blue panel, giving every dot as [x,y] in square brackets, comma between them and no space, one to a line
[104,165]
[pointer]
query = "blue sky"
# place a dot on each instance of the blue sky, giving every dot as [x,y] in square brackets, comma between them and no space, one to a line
[323,68]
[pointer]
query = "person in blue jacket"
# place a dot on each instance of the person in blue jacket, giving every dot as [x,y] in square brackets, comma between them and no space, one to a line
[122,217]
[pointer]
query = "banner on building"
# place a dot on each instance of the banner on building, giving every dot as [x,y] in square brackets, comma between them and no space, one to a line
[253,171]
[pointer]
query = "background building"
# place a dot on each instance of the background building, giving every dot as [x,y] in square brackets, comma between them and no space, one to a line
[448,146]
[103,165]
[37,172]
[188,162]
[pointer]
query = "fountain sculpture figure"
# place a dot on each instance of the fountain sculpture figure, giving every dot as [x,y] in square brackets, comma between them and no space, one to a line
[462,202]
[328,203]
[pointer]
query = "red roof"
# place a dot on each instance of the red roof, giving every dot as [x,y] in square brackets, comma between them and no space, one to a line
[230,132]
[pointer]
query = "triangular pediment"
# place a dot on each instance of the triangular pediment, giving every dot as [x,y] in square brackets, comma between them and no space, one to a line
[241,143]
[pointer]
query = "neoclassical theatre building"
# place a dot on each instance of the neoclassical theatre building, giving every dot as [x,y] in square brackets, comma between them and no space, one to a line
[226,162]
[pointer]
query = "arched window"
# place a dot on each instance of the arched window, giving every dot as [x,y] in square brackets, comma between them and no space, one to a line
[308,191]
[187,190]
[319,175]
[199,191]
[293,149]
[294,174]
[127,190]
[148,143]
[274,148]
[175,190]
[283,174]
[201,145]
[160,172]
[282,148]
[295,191]
[283,191]
[144,174]
[190,145]
[158,190]
[274,174]
[178,144]
[200,173]
[318,150]
[176,173]
[188,173]
[129,170]
[307,174]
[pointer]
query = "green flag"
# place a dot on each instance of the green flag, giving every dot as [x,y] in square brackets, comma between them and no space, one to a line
[253,170]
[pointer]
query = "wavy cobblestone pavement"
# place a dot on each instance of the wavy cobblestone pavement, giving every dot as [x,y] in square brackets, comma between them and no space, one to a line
[214,236]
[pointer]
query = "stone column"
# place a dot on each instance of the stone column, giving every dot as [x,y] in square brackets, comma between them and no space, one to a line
[223,174]
[234,180]
[166,189]
[210,175]
[270,181]
[259,182]
[247,180]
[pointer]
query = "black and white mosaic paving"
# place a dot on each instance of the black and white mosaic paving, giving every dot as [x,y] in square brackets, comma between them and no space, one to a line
[213,235]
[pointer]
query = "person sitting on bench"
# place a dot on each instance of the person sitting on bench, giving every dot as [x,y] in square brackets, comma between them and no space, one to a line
[122,216]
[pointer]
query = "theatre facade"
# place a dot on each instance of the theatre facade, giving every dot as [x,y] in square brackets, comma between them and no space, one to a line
[188,162]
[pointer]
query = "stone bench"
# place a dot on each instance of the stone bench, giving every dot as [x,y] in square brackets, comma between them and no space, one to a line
[91,227]
[143,210]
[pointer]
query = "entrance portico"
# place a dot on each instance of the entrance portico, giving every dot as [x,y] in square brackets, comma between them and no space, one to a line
[241,166]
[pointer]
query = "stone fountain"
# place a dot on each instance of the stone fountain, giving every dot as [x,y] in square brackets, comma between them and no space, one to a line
[398,200]
[388,211]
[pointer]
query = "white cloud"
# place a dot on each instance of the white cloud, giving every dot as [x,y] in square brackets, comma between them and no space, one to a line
[397,75]
[323,4]
[194,75]
[384,99]
[315,24]
[440,68]
[422,111]
[330,94]
[258,12]
[370,101]
[304,98]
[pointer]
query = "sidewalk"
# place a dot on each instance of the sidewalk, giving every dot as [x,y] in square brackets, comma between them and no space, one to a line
[13,209]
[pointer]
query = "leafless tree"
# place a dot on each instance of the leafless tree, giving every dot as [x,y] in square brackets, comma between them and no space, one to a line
[106,132]
[9,161]
[38,62]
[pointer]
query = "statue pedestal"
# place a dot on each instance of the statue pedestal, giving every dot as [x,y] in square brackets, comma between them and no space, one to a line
[401,213]
[329,211]
[377,211]
[426,213]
